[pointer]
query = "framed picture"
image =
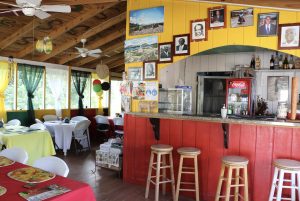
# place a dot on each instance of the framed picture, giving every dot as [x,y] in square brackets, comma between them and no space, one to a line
[181,44]
[278,88]
[135,73]
[267,24]
[165,51]
[141,49]
[217,17]
[198,30]
[146,21]
[241,18]
[288,36]
[150,70]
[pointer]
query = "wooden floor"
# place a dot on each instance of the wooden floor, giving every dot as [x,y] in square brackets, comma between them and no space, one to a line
[106,184]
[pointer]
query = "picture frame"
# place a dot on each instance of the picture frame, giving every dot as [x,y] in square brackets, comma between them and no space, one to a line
[267,24]
[135,73]
[146,21]
[199,30]
[165,52]
[289,36]
[217,17]
[242,18]
[150,70]
[181,44]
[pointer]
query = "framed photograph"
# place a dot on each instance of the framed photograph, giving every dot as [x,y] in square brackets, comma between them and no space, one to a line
[141,49]
[146,21]
[288,36]
[165,51]
[150,70]
[217,17]
[135,73]
[241,18]
[181,44]
[278,88]
[198,30]
[267,24]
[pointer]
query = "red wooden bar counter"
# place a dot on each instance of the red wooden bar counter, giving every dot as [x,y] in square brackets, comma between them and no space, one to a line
[260,143]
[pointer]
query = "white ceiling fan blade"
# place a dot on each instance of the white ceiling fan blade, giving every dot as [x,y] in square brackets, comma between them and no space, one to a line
[30,2]
[9,4]
[41,14]
[95,51]
[94,55]
[56,8]
[10,11]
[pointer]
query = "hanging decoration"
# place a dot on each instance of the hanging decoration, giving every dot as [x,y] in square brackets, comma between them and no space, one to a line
[45,45]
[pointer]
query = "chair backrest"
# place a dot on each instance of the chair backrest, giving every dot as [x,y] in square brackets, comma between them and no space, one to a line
[38,121]
[118,121]
[81,127]
[101,119]
[50,117]
[52,164]
[79,118]
[38,126]
[16,154]
[14,122]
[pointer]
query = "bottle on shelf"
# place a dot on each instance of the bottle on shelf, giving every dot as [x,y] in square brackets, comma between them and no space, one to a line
[280,63]
[291,62]
[257,63]
[285,62]
[252,63]
[276,61]
[272,63]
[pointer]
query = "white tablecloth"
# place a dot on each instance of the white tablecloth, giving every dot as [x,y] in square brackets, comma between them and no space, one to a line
[62,133]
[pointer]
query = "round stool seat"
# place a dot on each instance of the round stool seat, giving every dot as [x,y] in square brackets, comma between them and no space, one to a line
[189,151]
[287,164]
[235,160]
[161,147]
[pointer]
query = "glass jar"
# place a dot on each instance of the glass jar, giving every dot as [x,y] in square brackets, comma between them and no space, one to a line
[282,110]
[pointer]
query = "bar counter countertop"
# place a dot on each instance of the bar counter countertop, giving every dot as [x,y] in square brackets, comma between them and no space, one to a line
[232,119]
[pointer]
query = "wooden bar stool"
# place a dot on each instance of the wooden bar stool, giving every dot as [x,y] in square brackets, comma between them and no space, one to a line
[283,166]
[233,163]
[188,152]
[161,150]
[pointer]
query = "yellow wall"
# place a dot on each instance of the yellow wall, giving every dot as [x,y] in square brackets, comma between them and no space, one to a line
[179,13]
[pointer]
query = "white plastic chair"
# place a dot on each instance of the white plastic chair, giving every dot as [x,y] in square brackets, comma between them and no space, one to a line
[14,122]
[102,125]
[50,117]
[52,164]
[79,118]
[38,121]
[38,126]
[16,154]
[81,133]
[118,122]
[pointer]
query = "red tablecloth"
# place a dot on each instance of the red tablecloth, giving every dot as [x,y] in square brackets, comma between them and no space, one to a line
[79,191]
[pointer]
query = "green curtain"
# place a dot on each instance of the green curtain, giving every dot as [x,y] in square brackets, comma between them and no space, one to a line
[79,80]
[31,76]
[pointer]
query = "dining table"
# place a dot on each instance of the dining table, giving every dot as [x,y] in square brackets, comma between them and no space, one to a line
[37,143]
[76,190]
[62,133]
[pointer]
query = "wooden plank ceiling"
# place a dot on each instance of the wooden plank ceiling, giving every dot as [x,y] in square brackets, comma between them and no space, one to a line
[101,22]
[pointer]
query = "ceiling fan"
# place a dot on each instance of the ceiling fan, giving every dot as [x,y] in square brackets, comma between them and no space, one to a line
[84,52]
[34,8]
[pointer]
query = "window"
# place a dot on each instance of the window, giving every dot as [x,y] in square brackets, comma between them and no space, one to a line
[56,88]
[38,100]
[115,98]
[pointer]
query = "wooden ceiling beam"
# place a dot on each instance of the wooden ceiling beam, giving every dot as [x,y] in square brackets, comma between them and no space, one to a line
[91,32]
[79,2]
[19,33]
[108,50]
[69,25]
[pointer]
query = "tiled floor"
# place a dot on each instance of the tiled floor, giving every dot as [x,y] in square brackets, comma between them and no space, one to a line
[106,184]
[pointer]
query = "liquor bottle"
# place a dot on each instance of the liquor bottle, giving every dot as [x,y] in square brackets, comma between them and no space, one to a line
[272,63]
[252,63]
[285,62]
[291,62]
[276,61]
[280,61]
